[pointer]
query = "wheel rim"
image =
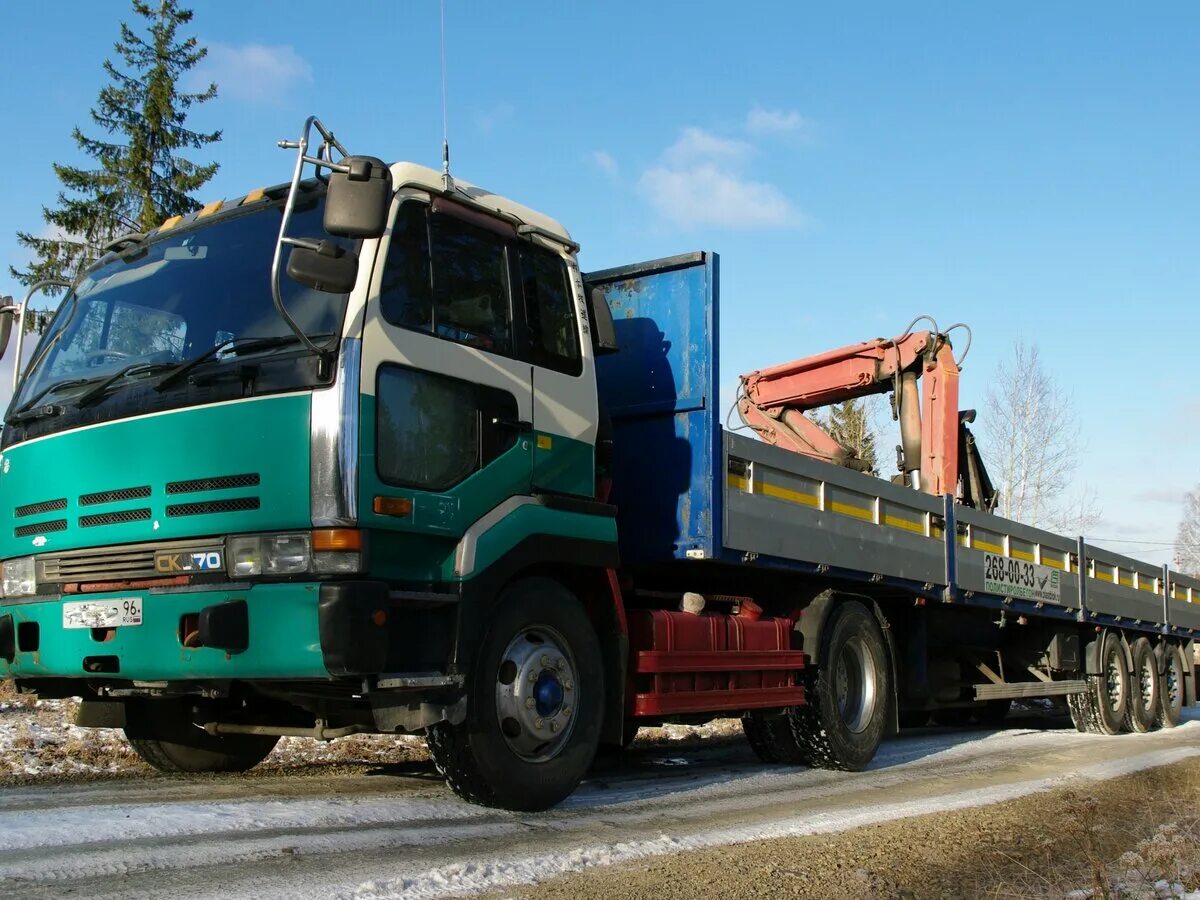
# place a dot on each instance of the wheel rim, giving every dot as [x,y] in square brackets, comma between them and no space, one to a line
[1172,678]
[1146,682]
[1114,682]
[854,684]
[536,693]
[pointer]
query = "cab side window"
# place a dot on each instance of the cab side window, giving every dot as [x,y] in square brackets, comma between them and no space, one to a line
[449,279]
[549,311]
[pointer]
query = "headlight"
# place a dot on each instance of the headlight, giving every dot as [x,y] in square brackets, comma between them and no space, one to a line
[18,578]
[250,555]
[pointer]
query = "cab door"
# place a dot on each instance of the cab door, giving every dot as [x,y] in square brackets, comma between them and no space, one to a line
[447,402]
[565,411]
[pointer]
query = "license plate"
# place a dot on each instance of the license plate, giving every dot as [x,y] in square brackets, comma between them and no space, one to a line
[121,612]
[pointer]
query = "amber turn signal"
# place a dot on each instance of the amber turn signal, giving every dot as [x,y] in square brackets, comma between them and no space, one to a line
[337,539]
[392,506]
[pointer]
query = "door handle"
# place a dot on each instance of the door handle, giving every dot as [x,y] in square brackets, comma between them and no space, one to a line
[515,424]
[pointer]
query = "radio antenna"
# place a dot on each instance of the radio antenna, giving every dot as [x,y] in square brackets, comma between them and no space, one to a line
[447,181]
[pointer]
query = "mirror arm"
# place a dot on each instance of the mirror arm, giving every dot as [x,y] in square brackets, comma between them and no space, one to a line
[302,157]
[20,321]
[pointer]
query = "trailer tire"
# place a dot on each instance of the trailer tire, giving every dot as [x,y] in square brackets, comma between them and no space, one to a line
[1102,709]
[1143,688]
[1168,710]
[511,753]
[769,733]
[164,736]
[846,714]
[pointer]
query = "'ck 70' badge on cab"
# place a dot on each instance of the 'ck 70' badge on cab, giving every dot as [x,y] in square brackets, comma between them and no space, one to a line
[168,563]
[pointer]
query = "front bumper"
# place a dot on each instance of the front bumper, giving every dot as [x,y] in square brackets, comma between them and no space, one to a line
[284,639]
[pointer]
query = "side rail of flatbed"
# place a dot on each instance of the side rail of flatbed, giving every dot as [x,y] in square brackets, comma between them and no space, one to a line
[790,511]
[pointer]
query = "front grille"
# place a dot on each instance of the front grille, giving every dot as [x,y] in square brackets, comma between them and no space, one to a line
[41,528]
[130,493]
[218,483]
[129,562]
[32,509]
[115,518]
[236,504]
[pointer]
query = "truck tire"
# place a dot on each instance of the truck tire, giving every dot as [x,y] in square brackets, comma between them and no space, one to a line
[163,734]
[769,733]
[534,705]
[1102,708]
[1143,688]
[846,714]
[1169,708]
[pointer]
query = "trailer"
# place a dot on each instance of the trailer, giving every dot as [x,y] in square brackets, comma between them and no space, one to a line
[425,476]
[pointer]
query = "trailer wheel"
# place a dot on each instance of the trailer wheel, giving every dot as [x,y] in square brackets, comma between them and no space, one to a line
[163,734]
[1102,709]
[1143,688]
[769,733]
[1169,708]
[534,704]
[844,719]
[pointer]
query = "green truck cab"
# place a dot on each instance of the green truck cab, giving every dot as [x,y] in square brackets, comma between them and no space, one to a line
[239,504]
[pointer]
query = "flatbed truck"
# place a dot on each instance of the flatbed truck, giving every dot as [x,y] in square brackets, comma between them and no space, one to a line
[432,478]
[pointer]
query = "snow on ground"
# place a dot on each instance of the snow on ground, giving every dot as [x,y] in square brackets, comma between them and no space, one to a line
[38,741]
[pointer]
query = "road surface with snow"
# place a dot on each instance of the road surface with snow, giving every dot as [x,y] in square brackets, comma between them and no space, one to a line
[397,832]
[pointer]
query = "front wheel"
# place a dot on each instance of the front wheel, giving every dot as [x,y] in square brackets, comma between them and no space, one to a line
[844,719]
[534,706]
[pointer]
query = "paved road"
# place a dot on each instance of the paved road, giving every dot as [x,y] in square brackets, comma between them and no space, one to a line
[397,832]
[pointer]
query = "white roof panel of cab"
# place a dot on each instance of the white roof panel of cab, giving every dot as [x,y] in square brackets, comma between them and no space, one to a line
[418,176]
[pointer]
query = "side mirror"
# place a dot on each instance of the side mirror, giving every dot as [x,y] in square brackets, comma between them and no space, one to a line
[356,204]
[8,312]
[327,267]
[604,333]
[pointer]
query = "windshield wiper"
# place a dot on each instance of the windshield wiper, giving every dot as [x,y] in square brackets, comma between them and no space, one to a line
[239,346]
[95,393]
[27,412]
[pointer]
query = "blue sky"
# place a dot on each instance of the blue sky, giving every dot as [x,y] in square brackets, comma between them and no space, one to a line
[1028,168]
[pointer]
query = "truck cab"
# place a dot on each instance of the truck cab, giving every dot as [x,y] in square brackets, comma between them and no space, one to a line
[211,529]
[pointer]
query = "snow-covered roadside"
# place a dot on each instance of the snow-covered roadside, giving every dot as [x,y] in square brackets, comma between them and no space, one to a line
[38,742]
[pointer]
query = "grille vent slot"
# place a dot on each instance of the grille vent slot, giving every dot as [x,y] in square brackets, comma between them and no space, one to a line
[114,518]
[219,483]
[131,493]
[32,509]
[41,528]
[236,504]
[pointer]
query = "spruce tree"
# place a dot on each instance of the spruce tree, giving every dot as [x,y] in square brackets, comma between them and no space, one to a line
[849,424]
[139,178]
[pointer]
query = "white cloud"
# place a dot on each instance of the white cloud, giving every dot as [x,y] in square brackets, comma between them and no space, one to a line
[774,121]
[487,120]
[706,194]
[604,161]
[699,181]
[697,145]
[252,73]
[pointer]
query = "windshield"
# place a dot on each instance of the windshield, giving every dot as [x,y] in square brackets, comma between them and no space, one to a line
[179,296]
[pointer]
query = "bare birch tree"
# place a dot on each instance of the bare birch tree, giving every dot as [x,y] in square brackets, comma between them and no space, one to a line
[1187,539]
[1031,444]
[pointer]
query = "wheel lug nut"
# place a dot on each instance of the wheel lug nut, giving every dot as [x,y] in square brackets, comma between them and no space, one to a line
[566,711]
[538,723]
[568,685]
[562,663]
[554,726]
[545,661]
[532,677]
[529,703]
